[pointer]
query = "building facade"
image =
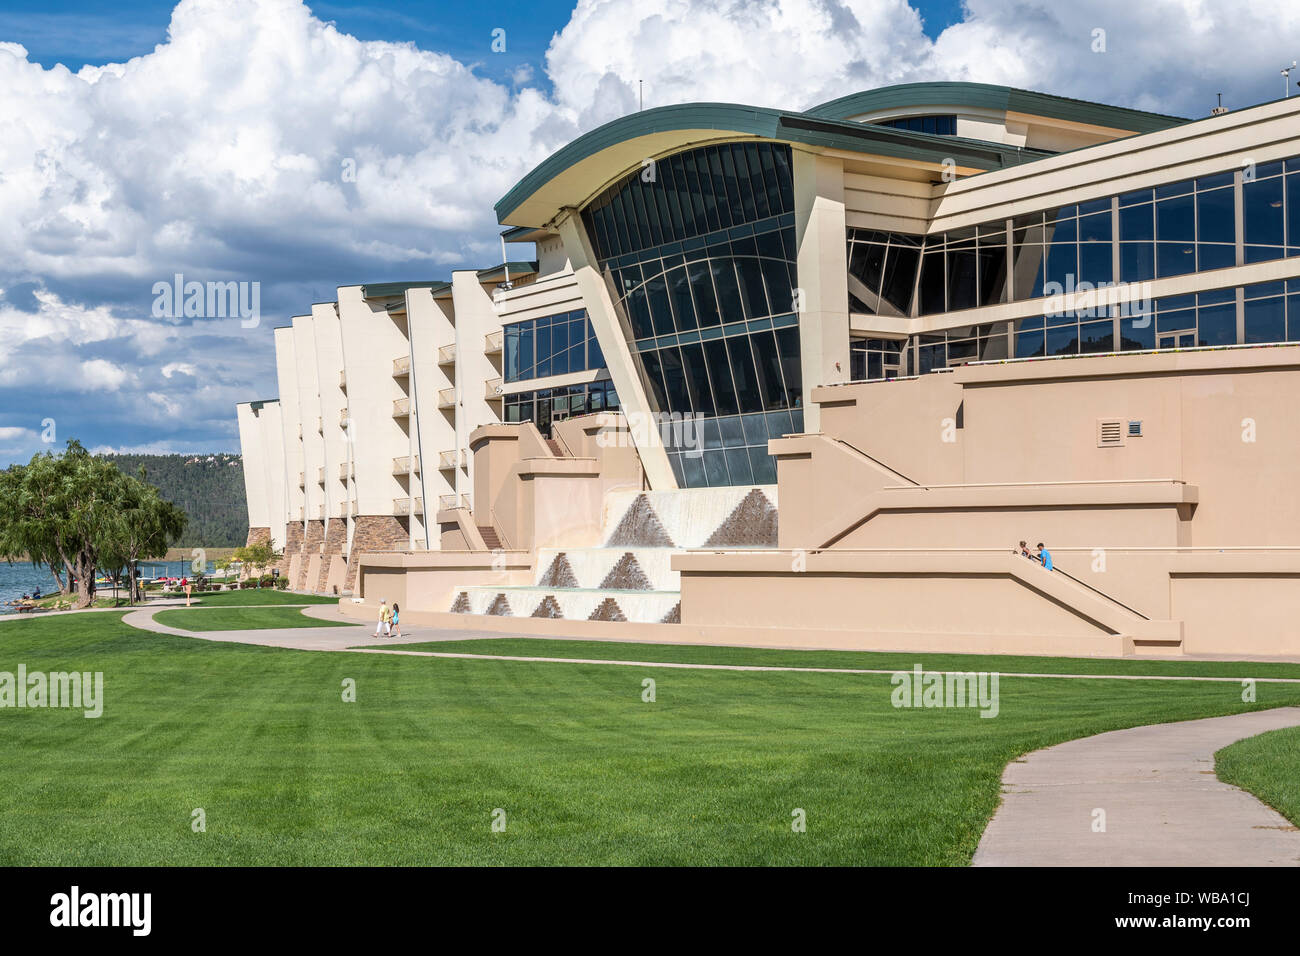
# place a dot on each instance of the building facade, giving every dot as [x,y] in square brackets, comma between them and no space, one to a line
[997,307]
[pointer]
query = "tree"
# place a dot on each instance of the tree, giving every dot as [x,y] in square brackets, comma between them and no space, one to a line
[260,555]
[72,511]
[142,528]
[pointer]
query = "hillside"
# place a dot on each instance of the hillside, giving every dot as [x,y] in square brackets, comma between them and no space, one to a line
[209,488]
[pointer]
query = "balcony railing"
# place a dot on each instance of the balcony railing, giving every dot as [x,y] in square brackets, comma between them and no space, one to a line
[401,366]
[343,378]
[401,408]
[320,511]
[447,354]
[447,398]
[320,425]
[406,465]
[408,506]
[344,471]
[450,460]
[343,418]
[302,479]
[492,342]
[320,475]
[492,389]
[447,502]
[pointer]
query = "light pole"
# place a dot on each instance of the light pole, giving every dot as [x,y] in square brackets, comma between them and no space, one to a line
[1286,80]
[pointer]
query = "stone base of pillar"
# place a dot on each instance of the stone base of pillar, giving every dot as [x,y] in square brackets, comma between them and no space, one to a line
[313,538]
[336,536]
[375,533]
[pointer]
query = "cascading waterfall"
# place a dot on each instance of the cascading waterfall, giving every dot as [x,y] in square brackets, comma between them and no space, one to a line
[630,577]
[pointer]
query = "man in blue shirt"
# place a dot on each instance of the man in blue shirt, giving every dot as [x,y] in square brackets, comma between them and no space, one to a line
[1044,556]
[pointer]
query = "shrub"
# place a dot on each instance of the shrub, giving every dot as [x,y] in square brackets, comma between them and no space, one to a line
[282,584]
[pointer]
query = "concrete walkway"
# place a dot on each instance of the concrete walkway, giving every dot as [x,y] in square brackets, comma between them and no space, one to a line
[1163,804]
[359,638]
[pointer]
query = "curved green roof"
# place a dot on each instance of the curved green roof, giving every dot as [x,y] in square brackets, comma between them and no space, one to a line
[991,96]
[784,126]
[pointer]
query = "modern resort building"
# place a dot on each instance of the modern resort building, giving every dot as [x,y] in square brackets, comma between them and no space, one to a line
[808,378]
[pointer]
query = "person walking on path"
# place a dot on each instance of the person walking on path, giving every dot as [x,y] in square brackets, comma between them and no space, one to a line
[397,626]
[382,626]
[1045,557]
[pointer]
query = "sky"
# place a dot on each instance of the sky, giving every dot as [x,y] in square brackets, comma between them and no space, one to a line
[300,146]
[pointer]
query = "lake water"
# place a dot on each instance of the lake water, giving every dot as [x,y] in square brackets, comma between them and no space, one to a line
[18,579]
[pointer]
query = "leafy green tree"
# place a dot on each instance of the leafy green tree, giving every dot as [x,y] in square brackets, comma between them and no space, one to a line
[143,527]
[261,555]
[74,512]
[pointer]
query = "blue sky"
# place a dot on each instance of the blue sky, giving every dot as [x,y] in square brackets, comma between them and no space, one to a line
[215,151]
[77,32]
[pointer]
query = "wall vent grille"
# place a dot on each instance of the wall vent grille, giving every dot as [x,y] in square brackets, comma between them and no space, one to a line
[1110,433]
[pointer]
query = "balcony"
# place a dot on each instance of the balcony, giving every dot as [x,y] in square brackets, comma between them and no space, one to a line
[320,475]
[447,502]
[450,460]
[345,472]
[320,511]
[302,479]
[407,465]
[402,408]
[492,390]
[300,430]
[402,366]
[302,514]
[320,425]
[343,378]
[492,342]
[343,418]
[447,354]
[447,398]
[408,506]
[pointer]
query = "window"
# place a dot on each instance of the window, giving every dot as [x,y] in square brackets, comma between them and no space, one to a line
[551,345]
[873,359]
[544,406]
[690,194]
[939,125]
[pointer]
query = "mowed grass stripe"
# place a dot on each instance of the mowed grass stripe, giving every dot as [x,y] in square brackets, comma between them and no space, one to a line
[865,660]
[587,772]
[240,619]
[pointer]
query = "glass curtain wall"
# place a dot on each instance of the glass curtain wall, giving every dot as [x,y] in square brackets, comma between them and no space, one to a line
[699,250]
[1170,230]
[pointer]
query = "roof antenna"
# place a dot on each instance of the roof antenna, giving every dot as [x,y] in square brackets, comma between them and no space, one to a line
[640,86]
[1286,80]
[1220,109]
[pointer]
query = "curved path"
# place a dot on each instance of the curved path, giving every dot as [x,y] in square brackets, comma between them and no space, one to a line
[1163,804]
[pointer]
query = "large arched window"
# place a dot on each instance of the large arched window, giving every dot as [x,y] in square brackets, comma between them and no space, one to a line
[699,248]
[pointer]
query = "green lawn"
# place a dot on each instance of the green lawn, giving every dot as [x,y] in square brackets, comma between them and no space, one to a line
[1268,766]
[869,660]
[257,596]
[238,618]
[287,773]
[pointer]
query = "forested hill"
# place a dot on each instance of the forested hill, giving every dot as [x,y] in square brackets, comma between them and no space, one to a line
[208,488]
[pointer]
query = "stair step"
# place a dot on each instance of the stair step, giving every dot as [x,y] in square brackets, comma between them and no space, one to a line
[490,537]
[555,448]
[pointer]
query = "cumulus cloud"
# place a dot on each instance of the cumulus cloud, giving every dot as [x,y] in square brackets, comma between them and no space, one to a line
[100,375]
[259,143]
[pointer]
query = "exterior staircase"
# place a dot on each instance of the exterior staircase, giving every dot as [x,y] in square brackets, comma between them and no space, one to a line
[629,577]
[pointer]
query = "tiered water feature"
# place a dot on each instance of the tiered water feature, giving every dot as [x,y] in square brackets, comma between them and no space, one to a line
[629,577]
